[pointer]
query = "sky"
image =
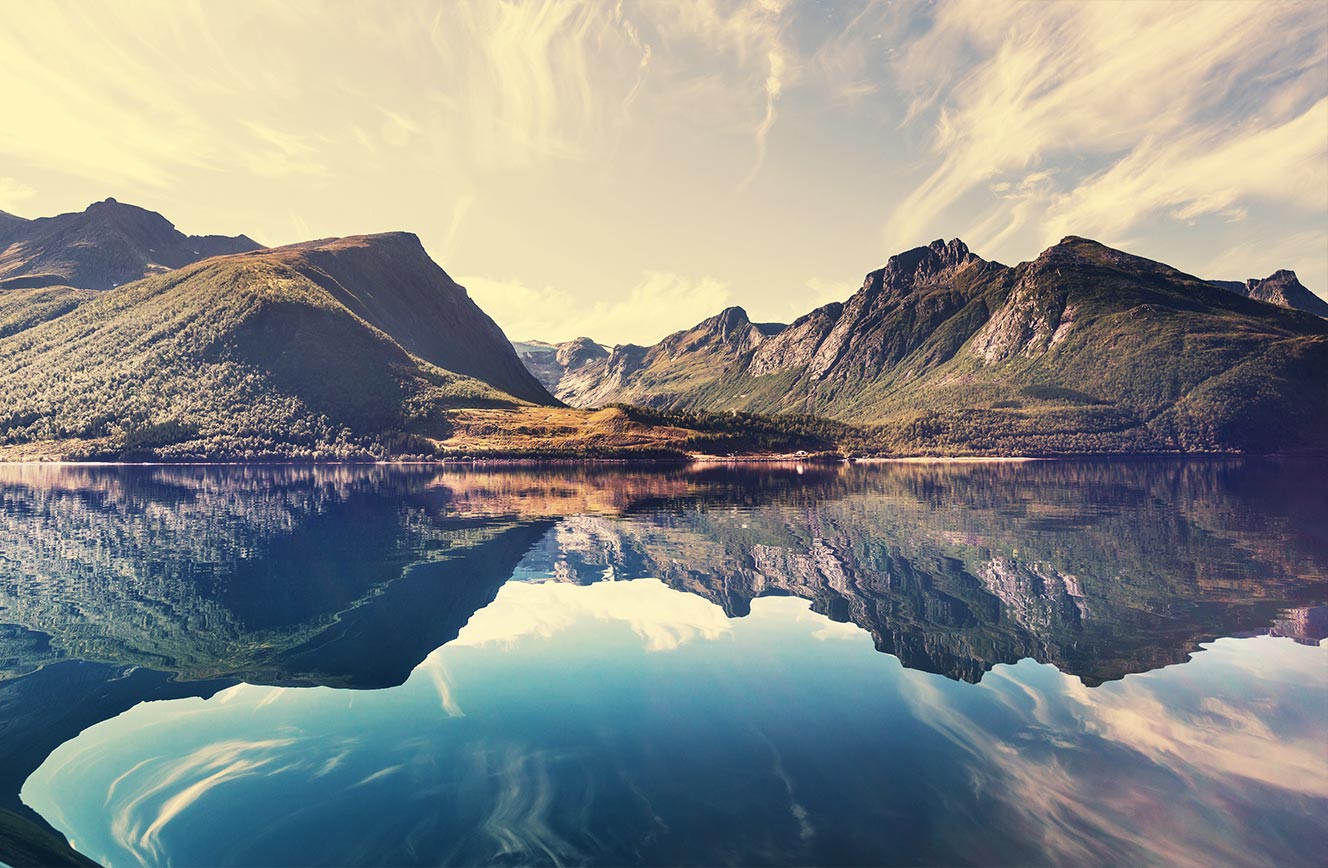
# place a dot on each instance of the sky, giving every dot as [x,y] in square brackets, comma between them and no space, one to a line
[624,169]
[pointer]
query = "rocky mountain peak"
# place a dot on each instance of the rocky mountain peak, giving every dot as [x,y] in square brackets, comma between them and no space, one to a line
[921,265]
[579,351]
[726,323]
[1281,277]
[1283,288]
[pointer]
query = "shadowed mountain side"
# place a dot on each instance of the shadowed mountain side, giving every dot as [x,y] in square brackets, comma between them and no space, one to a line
[268,354]
[1085,349]
[106,245]
[377,645]
[390,282]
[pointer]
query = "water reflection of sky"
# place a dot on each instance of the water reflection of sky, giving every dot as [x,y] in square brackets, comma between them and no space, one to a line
[624,722]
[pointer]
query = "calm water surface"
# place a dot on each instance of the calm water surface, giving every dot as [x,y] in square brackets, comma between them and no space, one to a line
[1049,663]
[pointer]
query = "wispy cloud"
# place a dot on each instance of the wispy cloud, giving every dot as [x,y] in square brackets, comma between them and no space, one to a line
[1103,116]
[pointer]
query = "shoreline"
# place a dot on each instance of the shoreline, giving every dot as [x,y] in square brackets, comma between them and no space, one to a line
[706,460]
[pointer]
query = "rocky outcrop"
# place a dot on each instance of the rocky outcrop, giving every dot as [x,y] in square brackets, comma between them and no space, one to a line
[897,308]
[106,245]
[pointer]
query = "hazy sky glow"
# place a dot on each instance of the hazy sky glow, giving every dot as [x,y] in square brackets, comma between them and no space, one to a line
[624,169]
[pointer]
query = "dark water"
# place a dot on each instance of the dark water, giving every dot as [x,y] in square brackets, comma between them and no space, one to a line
[1047,663]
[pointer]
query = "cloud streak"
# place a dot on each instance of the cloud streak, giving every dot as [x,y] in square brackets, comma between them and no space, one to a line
[1105,116]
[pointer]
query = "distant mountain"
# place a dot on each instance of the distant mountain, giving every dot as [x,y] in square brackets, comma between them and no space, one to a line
[1084,349]
[104,246]
[1281,288]
[552,363]
[584,374]
[339,348]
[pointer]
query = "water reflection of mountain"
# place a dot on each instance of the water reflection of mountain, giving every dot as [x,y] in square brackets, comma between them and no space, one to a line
[1099,569]
[121,585]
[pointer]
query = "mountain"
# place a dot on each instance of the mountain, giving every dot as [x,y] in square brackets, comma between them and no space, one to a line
[9,224]
[586,375]
[106,245]
[1281,288]
[1083,349]
[351,347]
[551,363]
[22,309]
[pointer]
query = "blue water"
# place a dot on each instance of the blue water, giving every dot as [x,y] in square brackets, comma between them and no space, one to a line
[689,670]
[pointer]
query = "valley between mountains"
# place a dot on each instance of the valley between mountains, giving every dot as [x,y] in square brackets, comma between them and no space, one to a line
[121,338]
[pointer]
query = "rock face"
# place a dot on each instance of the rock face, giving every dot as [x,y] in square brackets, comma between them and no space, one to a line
[1281,288]
[897,307]
[104,246]
[1083,349]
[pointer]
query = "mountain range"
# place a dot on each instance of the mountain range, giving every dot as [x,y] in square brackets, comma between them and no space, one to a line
[1083,349]
[121,337]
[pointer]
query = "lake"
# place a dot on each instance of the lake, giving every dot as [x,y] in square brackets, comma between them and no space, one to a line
[1044,663]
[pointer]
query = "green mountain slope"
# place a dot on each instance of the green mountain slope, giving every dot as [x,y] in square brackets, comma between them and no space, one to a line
[308,351]
[24,308]
[1084,349]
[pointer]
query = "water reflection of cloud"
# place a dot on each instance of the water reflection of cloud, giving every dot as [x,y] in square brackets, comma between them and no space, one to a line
[1058,755]
[167,788]
[663,617]
[519,822]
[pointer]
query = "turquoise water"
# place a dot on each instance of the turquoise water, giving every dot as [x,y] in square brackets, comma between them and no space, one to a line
[1060,664]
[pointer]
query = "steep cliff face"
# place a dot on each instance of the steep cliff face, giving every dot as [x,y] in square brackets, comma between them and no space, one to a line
[1281,288]
[106,245]
[550,363]
[389,281]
